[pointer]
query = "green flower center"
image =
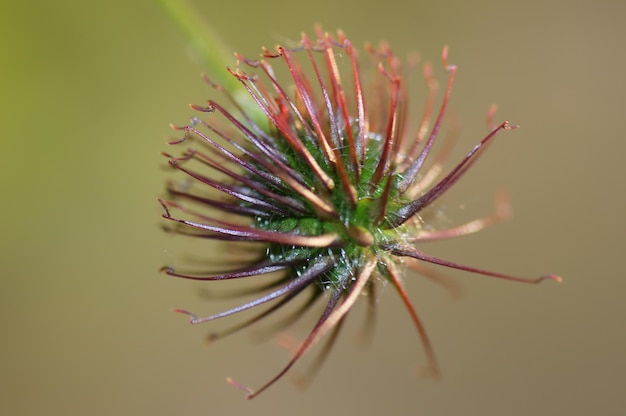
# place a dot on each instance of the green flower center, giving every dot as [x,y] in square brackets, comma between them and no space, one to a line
[361,232]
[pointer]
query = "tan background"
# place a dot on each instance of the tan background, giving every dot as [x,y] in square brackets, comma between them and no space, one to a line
[87,91]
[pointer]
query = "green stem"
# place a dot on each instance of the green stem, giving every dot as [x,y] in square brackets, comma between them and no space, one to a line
[211,51]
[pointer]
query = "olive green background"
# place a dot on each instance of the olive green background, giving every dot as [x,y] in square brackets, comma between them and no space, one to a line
[87,90]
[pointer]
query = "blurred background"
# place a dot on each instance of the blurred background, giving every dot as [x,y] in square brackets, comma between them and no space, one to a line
[87,92]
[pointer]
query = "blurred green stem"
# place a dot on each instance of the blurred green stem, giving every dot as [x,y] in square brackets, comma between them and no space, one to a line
[211,51]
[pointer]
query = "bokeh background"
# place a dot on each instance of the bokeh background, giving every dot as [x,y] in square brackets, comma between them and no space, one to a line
[87,90]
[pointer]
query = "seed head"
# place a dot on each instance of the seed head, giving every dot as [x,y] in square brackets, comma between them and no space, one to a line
[323,177]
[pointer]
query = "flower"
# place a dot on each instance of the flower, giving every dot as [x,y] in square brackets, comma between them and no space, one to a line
[324,179]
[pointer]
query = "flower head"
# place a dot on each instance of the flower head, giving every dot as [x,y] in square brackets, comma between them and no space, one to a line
[323,177]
